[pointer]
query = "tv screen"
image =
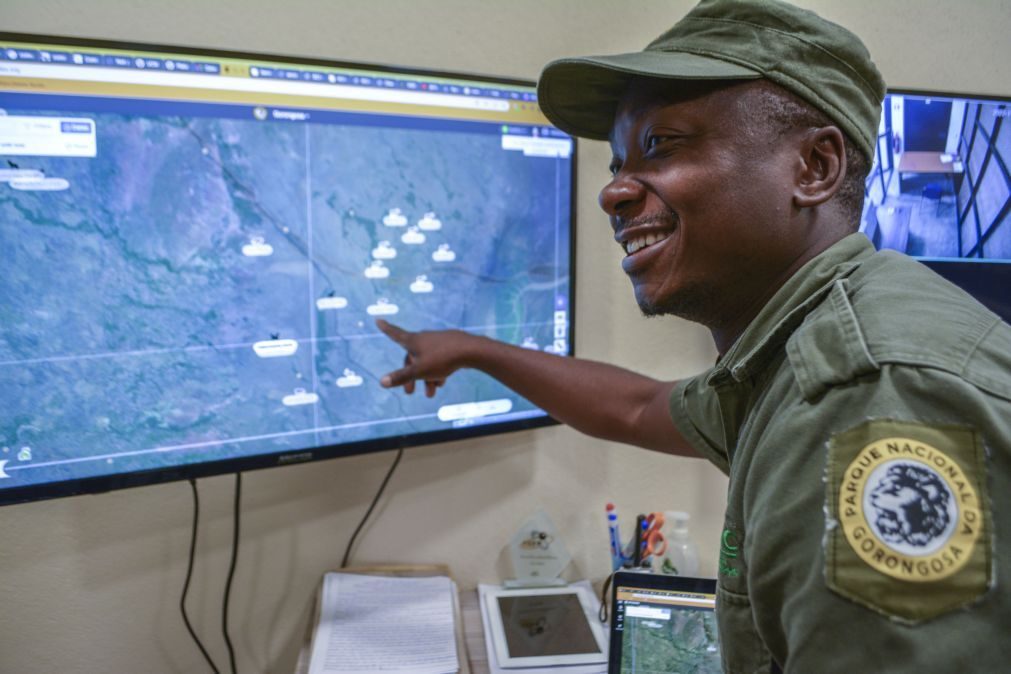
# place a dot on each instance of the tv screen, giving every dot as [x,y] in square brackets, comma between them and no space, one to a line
[197,245]
[940,189]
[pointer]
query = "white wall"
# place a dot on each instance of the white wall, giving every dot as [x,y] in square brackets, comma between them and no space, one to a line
[91,584]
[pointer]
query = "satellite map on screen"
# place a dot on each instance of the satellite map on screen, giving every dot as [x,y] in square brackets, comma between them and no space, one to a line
[195,288]
[683,641]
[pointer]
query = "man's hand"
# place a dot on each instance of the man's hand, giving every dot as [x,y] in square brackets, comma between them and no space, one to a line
[431,356]
[598,399]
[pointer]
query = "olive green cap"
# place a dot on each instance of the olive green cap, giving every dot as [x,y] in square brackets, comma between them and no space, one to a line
[819,61]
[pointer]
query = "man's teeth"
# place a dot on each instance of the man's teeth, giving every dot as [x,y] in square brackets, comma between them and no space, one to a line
[641,242]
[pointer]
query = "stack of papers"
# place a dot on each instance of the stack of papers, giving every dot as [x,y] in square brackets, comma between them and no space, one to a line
[371,623]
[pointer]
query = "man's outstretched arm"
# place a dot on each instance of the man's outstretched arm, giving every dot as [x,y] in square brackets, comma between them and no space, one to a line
[595,398]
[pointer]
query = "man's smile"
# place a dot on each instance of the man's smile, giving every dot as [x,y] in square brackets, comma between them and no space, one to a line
[642,240]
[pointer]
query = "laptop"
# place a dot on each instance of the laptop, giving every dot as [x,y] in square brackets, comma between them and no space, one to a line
[662,623]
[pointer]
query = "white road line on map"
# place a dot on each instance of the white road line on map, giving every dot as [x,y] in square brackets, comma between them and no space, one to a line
[312,285]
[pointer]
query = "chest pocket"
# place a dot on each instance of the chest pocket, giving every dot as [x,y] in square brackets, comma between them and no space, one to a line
[743,650]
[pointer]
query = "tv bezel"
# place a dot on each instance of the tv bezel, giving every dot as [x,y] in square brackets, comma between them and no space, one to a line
[117,481]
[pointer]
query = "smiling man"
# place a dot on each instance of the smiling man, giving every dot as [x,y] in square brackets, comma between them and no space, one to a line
[866,439]
[718,261]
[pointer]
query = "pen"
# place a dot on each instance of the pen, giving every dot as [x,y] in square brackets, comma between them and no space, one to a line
[647,549]
[646,525]
[617,557]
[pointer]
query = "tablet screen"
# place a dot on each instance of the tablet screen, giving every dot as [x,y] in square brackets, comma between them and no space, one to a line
[547,624]
[544,627]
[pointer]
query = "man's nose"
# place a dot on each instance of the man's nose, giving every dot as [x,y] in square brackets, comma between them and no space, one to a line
[621,195]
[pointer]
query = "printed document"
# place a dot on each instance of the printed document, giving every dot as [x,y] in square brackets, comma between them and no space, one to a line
[385,624]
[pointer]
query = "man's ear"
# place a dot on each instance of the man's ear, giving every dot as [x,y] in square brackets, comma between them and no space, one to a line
[822,166]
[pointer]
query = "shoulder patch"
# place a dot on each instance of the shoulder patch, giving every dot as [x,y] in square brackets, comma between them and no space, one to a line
[908,529]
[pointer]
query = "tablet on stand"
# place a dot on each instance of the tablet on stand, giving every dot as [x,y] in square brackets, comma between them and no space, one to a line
[537,619]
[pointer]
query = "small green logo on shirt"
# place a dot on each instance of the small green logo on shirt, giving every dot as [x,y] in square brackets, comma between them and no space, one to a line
[729,564]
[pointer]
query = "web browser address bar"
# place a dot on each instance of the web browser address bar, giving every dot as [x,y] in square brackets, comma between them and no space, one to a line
[260,86]
[676,599]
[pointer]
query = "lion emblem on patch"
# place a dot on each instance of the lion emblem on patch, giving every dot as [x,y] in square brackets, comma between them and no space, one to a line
[910,505]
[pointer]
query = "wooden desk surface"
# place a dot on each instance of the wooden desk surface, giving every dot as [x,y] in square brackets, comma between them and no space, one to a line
[927,162]
[473,632]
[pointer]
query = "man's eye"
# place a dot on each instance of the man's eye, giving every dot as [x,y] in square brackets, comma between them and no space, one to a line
[653,141]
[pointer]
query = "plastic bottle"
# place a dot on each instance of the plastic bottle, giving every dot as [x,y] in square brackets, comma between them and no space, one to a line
[682,556]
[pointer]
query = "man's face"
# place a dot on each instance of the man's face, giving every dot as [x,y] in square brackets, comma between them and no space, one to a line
[699,201]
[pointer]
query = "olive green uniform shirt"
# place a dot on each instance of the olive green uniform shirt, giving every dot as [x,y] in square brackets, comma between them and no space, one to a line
[864,420]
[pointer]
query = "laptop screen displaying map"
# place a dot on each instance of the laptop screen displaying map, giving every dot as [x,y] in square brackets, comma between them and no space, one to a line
[197,246]
[663,624]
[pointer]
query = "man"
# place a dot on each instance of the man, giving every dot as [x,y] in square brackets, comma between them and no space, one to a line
[861,405]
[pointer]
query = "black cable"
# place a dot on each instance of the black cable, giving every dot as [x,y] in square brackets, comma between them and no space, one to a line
[604,598]
[231,571]
[189,575]
[382,487]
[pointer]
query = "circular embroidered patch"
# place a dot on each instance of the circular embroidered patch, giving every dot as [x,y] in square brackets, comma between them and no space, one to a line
[909,510]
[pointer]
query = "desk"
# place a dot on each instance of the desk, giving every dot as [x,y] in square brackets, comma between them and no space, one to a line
[473,631]
[928,162]
[912,164]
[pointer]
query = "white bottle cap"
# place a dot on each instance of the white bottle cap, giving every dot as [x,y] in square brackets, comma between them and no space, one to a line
[678,520]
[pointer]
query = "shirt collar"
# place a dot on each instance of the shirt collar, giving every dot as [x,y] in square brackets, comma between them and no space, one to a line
[788,307]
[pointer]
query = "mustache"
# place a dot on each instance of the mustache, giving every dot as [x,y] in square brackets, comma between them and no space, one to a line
[665,217]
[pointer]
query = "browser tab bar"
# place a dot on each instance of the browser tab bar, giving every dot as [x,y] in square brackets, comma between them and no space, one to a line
[258,82]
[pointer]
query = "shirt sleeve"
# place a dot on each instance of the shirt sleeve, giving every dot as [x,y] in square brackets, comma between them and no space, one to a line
[695,410]
[791,496]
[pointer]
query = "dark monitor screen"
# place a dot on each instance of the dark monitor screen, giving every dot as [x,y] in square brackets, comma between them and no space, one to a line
[197,245]
[940,189]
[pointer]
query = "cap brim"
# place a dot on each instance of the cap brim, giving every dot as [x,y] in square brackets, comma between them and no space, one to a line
[580,95]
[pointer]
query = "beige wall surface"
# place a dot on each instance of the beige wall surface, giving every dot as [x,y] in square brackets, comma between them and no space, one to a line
[91,584]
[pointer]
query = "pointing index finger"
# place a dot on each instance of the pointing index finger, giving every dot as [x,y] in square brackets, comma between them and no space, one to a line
[397,334]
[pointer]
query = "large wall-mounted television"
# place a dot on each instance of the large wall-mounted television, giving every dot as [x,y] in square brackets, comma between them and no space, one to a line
[196,246]
[940,188]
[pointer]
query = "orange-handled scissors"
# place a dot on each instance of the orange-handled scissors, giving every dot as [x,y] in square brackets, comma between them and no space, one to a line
[653,540]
